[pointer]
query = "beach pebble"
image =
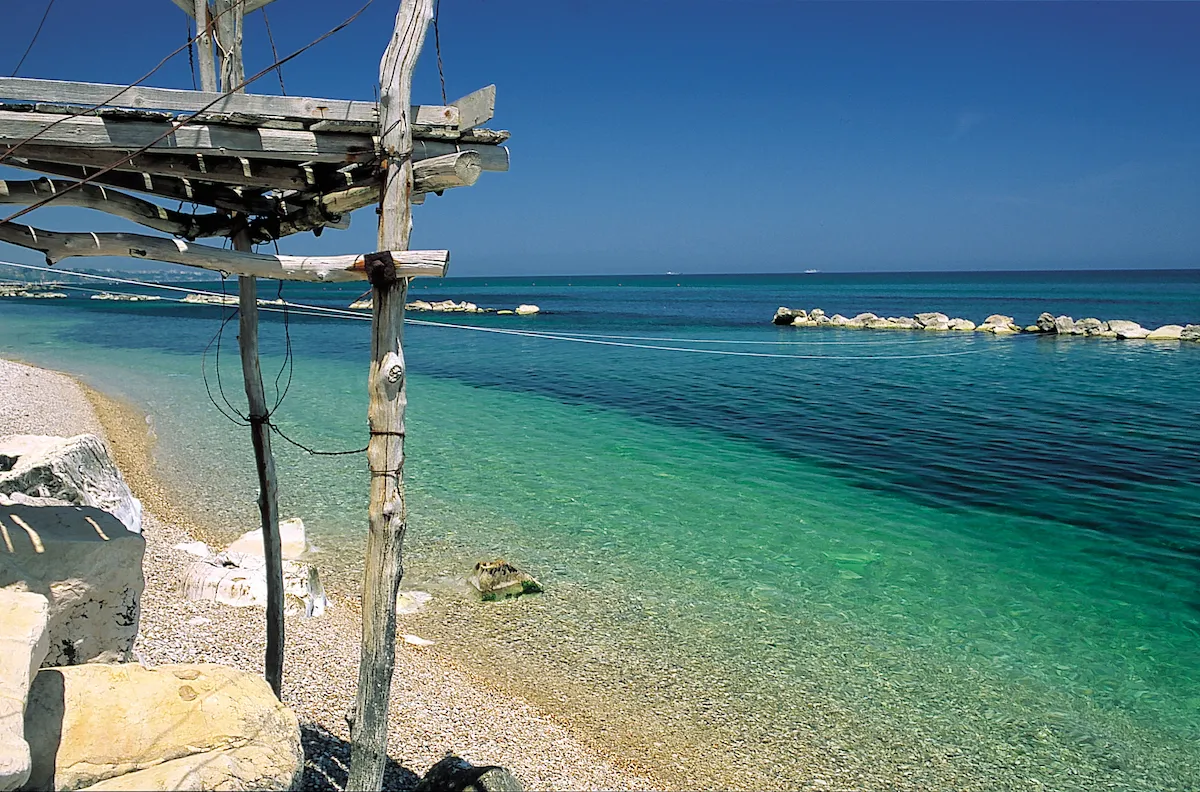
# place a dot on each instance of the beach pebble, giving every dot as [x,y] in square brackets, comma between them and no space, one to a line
[412,601]
[416,640]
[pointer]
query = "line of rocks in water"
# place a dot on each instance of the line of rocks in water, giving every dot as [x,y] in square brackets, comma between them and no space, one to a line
[998,324]
[450,306]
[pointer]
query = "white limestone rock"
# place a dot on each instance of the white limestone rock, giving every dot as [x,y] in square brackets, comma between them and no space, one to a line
[1127,329]
[1190,333]
[126,727]
[292,540]
[1091,326]
[1065,325]
[23,643]
[525,309]
[1046,323]
[240,580]
[74,469]
[999,324]
[933,320]
[1166,333]
[962,324]
[88,566]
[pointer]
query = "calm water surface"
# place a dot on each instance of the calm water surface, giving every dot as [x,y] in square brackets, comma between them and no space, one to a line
[882,560]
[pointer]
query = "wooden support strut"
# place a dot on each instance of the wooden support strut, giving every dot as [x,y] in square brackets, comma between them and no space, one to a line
[387,515]
[229,43]
[57,246]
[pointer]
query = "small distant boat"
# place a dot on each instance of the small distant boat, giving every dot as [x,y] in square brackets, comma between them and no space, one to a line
[811,272]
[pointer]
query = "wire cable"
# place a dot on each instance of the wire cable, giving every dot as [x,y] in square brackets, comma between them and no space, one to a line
[33,41]
[274,52]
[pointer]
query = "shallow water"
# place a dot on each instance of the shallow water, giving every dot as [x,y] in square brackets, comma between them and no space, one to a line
[885,560]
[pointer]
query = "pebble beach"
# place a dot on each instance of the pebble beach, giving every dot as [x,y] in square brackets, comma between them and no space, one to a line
[436,709]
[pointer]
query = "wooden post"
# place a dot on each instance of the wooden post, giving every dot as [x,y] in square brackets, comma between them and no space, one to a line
[208,71]
[385,414]
[229,41]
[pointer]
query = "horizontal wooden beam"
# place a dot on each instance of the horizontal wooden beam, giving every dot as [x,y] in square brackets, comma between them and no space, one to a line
[300,108]
[491,158]
[214,168]
[102,133]
[117,203]
[58,246]
[229,198]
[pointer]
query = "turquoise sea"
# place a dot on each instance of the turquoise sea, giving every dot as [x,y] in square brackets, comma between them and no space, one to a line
[878,560]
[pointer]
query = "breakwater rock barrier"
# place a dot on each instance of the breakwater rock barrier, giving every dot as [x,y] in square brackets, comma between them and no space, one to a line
[997,324]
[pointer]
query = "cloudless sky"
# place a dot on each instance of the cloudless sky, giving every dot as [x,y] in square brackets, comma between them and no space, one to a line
[745,135]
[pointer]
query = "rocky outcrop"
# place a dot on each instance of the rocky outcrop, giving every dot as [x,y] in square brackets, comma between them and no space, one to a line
[499,579]
[1126,329]
[526,309]
[999,324]
[23,642]
[293,540]
[73,469]
[454,774]
[126,727]
[240,580]
[89,568]
[1166,333]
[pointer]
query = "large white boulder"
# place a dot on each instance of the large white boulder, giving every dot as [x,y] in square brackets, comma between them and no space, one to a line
[1127,329]
[526,309]
[292,540]
[23,641]
[74,469]
[999,324]
[88,566]
[240,580]
[1166,333]
[109,727]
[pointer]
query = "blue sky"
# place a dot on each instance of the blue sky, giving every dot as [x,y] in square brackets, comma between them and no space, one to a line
[749,136]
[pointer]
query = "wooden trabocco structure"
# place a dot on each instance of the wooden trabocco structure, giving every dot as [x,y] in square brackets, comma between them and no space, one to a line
[265,167]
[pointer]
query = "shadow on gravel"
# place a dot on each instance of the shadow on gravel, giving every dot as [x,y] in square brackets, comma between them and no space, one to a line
[327,764]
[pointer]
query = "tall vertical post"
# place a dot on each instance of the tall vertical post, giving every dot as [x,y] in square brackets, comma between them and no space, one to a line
[229,42]
[208,71]
[387,514]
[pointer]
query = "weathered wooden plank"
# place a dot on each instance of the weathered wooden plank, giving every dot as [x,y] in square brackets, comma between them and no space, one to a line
[476,108]
[252,105]
[230,198]
[117,203]
[61,245]
[214,169]
[92,132]
[387,512]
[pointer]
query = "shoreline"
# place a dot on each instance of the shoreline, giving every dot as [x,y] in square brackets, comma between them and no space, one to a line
[436,706]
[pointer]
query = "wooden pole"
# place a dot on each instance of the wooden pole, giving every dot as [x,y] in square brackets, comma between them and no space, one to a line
[387,514]
[208,71]
[229,39]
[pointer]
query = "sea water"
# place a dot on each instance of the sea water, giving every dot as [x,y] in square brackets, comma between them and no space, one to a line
[878,559]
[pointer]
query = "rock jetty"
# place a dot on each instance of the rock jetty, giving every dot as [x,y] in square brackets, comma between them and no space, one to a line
[450,306]
[997,324]
[125,297]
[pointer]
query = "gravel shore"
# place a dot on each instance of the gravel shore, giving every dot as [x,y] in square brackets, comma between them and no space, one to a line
[435,709]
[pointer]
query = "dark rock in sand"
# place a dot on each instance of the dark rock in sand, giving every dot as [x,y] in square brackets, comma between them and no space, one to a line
[499,579]
[454,774]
